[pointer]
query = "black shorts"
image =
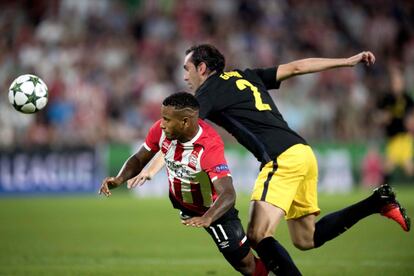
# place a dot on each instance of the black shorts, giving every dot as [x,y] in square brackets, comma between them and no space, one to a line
[228,234]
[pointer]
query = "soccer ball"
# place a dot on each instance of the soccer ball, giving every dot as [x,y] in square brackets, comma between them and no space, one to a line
[28,94]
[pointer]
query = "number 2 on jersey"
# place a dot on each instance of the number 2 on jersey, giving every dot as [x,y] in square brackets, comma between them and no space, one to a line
[243,84]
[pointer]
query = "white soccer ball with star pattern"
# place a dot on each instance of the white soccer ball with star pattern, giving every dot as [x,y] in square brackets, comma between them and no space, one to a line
[28,94]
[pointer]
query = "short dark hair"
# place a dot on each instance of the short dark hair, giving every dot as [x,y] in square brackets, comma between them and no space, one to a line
[208,54]
[182,100]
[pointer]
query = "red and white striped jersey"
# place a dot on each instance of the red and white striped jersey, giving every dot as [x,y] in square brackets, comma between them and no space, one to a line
[191,166]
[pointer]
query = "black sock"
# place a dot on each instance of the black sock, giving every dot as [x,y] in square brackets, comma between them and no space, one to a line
[276,258]
[334,224]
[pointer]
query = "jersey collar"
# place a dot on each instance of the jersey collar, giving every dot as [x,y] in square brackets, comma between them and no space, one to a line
[199,132]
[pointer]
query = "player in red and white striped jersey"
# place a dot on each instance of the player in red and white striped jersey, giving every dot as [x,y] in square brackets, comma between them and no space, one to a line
[191,166]
[199,179]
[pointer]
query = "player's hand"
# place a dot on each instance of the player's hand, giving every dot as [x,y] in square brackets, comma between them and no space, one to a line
[138,180]
[107,184]
[197,222]
[365,57]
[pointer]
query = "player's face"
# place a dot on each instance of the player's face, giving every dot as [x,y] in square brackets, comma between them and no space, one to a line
[171,124]
[192,76]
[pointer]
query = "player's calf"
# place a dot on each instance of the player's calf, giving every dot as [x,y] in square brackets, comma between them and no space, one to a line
[303,244]
[245,265]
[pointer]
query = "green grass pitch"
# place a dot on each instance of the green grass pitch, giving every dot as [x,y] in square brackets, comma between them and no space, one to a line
[123,235]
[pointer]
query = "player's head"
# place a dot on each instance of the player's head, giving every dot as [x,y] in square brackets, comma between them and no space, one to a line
[200,61]
[180,116]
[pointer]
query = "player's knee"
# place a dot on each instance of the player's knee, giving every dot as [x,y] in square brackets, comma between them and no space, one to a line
[255,235]
[251,236]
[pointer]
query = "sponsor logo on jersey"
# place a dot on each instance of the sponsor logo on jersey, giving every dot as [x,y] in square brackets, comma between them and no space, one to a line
[178,169]
[193,160]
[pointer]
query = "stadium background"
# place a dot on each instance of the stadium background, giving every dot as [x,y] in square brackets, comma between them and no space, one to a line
[109,64]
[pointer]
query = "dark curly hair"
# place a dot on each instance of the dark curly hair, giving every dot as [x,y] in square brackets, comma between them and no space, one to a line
[208,54]
[182,100]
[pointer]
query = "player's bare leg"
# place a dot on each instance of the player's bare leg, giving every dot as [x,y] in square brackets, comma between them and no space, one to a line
[301,231]
[264,219]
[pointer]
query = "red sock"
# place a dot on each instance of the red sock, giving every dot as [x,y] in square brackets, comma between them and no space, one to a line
[260,269]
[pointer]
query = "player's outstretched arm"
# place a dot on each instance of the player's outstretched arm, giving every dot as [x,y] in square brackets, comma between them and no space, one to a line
[226,198]
[147,174]
[312,65]
[131,168]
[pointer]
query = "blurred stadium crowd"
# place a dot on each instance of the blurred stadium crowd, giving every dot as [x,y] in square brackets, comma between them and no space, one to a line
[109,64]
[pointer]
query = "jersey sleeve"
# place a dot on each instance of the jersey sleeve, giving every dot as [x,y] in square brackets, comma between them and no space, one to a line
[152,141]
[213,161]
[268,76]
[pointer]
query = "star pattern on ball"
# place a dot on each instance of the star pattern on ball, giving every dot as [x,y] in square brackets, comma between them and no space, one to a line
[32,98]
[34,80]
[16,87]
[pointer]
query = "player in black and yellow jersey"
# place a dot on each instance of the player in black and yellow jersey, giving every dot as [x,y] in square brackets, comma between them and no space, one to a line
[395,108]
[286,186]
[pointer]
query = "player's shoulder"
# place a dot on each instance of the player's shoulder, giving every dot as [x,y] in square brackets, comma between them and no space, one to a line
[208,130]
[253,75]
[209,137]
[219,83]
[156,128]
[156,124]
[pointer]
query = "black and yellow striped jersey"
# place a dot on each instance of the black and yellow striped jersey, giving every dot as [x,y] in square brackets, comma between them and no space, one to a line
[239,102]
